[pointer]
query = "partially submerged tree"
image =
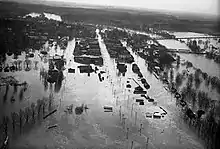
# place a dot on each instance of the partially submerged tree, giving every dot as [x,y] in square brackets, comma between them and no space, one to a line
[188,64]
[197,78]
[179,80]
[171,75]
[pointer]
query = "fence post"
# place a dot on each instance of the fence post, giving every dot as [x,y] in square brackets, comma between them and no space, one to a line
[38,111]
[27,114]
[5,121]
[33,115]
[135,118]
[140,128]
[132,143]
[127,133]
[120,112]
[147,142]
[12,118]
[43,109]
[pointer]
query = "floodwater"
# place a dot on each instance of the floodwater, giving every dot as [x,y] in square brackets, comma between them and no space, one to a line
[187,34]
[206,65]
[173,125]
[173,44]
[95,128]
[199,61]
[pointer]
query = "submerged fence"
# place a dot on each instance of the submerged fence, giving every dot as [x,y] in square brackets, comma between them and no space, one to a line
[16,124]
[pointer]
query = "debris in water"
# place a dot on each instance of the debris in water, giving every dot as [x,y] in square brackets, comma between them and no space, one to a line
[50,114]
[128,86]
[100,78]
[102,72]
[165,112]
[149,115]
[79,110]
[177,95]
[141,103]
[86,107]
[53,126]
[12,99]
[107,108]
[150,100]
[70,70]
[139,100]
[157,115]
[139,92]
[70,108]
[108,111]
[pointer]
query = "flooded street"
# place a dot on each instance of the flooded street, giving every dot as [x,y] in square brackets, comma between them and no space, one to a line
[173,121]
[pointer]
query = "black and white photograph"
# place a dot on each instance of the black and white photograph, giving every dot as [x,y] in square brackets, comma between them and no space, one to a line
[109,74]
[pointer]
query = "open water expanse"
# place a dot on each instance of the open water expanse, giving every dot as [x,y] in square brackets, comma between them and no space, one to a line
[95,128]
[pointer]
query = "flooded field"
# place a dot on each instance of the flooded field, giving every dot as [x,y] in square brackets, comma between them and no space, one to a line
[199,61]
[206,65]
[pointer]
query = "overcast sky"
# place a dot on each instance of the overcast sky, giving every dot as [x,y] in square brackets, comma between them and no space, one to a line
[198,6]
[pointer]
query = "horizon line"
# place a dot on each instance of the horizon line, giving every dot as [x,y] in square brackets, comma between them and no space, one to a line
[101,6]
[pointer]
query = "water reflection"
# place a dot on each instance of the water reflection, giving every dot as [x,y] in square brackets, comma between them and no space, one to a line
[52,76]
[200,61]
[15,89]
[59,63]
[58,86]
[6,93]
[36,65]
[45,84]
[21,93]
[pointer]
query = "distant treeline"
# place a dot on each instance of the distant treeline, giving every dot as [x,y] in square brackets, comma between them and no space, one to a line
[17,35]
[122,18]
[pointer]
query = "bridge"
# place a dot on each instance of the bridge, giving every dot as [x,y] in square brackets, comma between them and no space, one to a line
[184,51]
[193,37]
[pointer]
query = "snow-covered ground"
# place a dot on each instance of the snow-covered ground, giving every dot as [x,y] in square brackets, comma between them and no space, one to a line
[53,17]
[47,15]
[33,15]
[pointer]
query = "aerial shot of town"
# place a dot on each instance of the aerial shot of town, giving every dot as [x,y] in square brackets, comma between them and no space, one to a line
[100,74]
